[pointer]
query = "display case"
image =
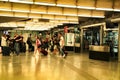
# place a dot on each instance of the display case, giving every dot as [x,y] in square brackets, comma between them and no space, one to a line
[99,52]
[111,39]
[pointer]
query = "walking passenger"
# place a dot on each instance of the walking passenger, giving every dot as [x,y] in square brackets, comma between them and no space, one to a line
[29,42]
[62,44]
[37,46]
[3,43]
[17,39]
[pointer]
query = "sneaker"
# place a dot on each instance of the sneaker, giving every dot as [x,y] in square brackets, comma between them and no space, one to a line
[63,55]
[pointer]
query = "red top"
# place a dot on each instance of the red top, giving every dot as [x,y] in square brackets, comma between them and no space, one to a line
[38,42]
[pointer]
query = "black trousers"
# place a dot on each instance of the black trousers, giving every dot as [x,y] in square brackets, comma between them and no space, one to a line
[5,51]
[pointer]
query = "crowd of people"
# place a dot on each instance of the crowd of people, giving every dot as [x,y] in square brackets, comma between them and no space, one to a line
[58,44]
[15,45]
[55,44]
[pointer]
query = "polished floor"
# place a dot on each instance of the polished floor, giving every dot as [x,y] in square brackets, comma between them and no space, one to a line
[74,67]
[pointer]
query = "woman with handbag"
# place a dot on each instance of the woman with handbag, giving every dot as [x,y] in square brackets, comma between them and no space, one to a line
[37,46]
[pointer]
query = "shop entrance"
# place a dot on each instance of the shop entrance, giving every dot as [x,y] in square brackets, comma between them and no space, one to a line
[91,36]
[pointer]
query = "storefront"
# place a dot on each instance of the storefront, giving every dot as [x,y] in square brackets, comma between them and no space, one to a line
[91,36]
[101,41]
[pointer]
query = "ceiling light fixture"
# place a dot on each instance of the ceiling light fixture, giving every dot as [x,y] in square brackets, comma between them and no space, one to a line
[81,15]
[22,1]
[98,16]
[47,4]
[20,11]
[62,5]
[106,9]
[84,7]
[117,10]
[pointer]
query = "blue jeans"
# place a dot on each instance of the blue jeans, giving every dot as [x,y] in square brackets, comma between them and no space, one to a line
[62,51]
[17,48]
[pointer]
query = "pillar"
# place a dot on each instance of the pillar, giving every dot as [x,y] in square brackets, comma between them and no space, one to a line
[81,41]
[119,41]
[101,34]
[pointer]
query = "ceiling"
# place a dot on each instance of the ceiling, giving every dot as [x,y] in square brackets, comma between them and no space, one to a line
[57,12]
[4,19]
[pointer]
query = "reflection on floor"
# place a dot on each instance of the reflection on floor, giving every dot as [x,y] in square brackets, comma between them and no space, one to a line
[74,67]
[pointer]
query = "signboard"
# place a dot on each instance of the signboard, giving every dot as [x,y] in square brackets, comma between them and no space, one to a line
[70,39]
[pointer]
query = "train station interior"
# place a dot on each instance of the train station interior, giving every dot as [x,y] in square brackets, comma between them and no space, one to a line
[89,29]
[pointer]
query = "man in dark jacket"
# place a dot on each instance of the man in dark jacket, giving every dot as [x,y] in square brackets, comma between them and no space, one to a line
[29,42]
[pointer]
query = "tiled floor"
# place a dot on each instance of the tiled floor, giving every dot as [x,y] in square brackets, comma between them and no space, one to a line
[74,67]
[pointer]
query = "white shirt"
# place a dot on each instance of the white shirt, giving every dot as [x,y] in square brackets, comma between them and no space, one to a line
[62,43]
[3,41]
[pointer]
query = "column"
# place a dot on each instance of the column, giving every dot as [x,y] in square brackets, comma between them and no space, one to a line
[81,41]
[119,41]
[101,34]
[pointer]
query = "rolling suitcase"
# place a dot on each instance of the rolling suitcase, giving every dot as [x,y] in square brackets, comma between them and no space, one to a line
[44,52]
